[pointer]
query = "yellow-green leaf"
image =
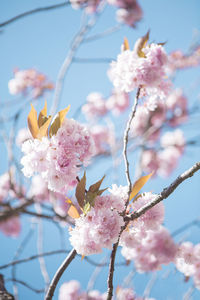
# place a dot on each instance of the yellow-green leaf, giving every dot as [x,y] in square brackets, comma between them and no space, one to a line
[43,115]
[139,184]
[73,212]
[126,44]
[32,122]
[43,130]
[58,120]
[80,191]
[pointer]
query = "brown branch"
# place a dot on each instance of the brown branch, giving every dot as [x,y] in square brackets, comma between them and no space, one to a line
[59,273]
[111,271]
[37,291]
[165,193]
[24,260]
[6,214]
[33,11]
[133,111]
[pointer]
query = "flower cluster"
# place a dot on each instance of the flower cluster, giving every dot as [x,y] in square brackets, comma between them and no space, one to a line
[101,226]
[144,68]
[129,294]
[10,226]
[72,291]
[128,12]
[164,161]
[90,6]
[188,261]
[178,60]
[145,241]
[97,106]
[29,80]
[58,159]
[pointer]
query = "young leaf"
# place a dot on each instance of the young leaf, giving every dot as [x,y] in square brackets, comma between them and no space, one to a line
[43,115]
[139,184]
[95,187]
[82,257]
[58,120]
[126,44]
[141,44]
[86,208]
[80,191]
[73,212]
[100,192]
[32,122]
[43,130]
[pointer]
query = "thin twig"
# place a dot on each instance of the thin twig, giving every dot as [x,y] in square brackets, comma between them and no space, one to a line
[24,260]
[59,273]
[165,193]
[33,11]
[77,41]
[128,126]
[37,291]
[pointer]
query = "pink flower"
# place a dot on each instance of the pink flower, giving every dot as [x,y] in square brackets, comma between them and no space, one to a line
[95,106]
[118,102]
[11,227]
[57,159]
[29,80]
[99,228]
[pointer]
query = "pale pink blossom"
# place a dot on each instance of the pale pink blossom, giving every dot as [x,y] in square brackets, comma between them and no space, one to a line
[29,80]
[22,136]
[173,139]
[176,104]
[57,158]
[102,137]
[90,6]
[152,250]
[95,106]
[153,217]
[178,60]
[99,228]
[185,259]
[118,102]
[11,227]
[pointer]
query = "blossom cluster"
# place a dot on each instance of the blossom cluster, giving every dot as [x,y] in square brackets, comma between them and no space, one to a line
[29,80]
[12,225]
[187,261]
[97,106]
[58,159]
[145,240]
[129,12]
[134,70]
[101,226]
[71,290]
[161,153]
[178,60]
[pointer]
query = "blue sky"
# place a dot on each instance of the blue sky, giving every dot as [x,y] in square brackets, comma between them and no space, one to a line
[42,41]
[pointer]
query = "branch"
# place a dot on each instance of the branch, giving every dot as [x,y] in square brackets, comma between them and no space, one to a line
[165,193]
[126,142]
[111,271]
[76,42]
[33,11]
[4,215]
[37,291]
[59,273]
[24,260]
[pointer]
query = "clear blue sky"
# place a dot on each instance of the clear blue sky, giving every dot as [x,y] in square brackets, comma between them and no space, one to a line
[42,41]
